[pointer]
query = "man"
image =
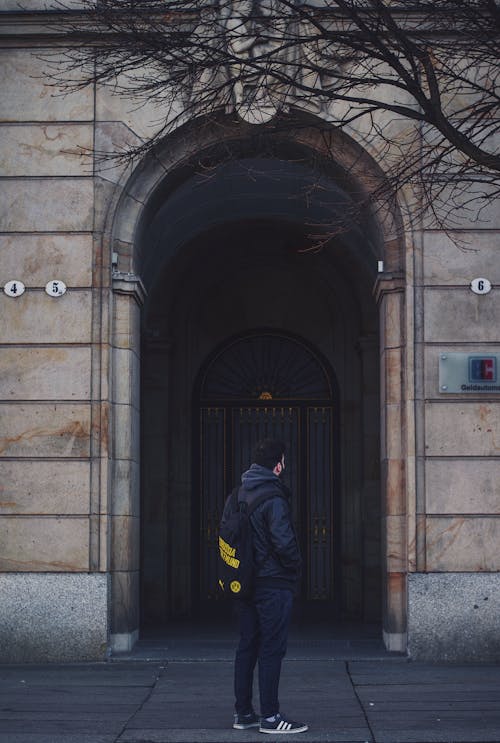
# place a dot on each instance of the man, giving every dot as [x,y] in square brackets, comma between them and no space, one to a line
[265,618]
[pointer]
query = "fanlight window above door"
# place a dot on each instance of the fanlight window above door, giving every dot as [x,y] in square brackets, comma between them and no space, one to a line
[266,367]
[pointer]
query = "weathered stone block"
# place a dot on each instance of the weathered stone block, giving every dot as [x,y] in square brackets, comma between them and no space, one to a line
[25,97]
[454,617]
[459,315]
[53,617]
[113,136]
[48,149]
[36,259]
[28,205]
[475,205]
[38,430]
[448,263]
[35,315]
[462,429]
[44,487]
[465,486]
[57,373]
[462,543]
[44,544]
[141,120]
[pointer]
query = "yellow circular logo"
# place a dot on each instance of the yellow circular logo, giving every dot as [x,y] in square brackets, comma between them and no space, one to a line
[235,586]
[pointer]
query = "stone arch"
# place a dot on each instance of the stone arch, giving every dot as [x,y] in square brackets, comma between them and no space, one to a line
[139,200]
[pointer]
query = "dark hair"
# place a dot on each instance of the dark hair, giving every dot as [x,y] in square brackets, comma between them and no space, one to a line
[268,453]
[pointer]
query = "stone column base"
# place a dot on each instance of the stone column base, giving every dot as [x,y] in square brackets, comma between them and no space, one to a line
[53,617]
[123,642]
[454,617]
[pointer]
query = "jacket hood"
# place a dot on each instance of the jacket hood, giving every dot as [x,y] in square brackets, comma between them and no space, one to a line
[257,476]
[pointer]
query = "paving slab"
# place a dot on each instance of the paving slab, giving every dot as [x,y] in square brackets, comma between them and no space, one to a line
[186,701]
[42,737]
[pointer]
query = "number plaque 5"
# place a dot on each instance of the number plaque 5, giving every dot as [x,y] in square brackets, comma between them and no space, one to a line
[55,288]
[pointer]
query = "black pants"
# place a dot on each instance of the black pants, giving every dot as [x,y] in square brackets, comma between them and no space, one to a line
[264,624]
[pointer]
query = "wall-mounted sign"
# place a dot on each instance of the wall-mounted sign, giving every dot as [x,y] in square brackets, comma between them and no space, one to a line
[469,373]
[480,286]
[14,288]
[55,288]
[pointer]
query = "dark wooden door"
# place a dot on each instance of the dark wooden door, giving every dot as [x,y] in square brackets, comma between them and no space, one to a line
[229,428]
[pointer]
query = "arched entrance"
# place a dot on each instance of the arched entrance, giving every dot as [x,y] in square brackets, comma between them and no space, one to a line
[269,384]
[221,246]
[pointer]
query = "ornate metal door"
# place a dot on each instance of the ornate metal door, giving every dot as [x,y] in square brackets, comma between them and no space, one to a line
[269,385]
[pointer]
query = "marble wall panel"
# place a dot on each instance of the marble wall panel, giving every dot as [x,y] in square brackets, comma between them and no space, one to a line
[44,430]
[462,429]
[31,544]
[395,542]
[127,319]
[393,471]
[35,316]
[459,315]
[46,149]
[55,373]
[41,487]
[126,377]
[463,544]
[25,97]
[393,371]
[474,206]
[475,255]
[126,432]
[393,442]
[35,259]
[462,486]
[126,487]
[391,320]
[30,205]
[125,543]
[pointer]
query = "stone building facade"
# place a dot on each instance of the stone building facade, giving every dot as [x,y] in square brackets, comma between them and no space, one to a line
[125,408]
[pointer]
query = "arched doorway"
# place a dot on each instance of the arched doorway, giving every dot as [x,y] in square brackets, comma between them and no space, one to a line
[202,246]
[269,384]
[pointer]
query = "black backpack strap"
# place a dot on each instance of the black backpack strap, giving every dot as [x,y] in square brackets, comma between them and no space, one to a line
[250,507]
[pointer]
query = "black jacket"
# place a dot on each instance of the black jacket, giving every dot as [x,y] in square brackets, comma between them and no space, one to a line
[276,549]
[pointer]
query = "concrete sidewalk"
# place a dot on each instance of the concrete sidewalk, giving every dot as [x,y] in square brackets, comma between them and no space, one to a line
[175,701]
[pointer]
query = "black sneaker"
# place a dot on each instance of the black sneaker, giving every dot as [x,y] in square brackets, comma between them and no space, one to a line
[281,725]
[245,722]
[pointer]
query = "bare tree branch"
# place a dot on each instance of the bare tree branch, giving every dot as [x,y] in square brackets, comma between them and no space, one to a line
[418,79]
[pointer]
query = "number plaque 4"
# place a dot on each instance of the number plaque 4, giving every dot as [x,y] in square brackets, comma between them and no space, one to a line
[14,288]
